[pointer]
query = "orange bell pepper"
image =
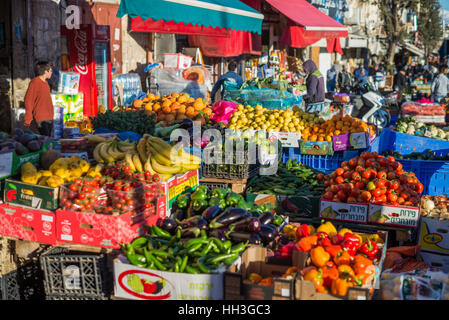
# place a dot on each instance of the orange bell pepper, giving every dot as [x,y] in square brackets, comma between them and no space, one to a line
[266,282]
[319,256]
[330,273]
[316,277]
[340,287]
[343,257]
[364,268]
[291,271]
[306,244]
[254,278]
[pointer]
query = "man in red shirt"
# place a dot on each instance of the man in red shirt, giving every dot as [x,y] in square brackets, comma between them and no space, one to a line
[38,103]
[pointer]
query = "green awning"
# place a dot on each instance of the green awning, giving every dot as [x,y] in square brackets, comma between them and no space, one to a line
[227,14]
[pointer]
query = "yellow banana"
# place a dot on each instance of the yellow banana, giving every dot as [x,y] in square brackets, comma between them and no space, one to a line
[96,153]
[95,139]
[129,160]
[123,146]
[159,168]
[189,158]
[167,153]
[163,160]
[147,165]
[190,167]
[98,167]
[165,176]
[141,149]
[159,141]
[114,152]
[137,163]
[104,153]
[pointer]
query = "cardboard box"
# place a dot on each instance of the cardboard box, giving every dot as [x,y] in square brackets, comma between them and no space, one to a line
[350,212]
[435,260]
[317,148]
[175,286]
[177,185]
[434,235]
[393,215]
[71,105]
[287,139]
[31,195]
[176,61]
[101,230]
[69,82]
[28,224]
[255,260]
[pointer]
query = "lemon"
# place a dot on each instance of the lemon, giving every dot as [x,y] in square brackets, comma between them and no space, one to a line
[240,107]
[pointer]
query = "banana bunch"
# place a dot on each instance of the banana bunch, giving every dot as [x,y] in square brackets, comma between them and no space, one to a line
[112,150]
[158,157]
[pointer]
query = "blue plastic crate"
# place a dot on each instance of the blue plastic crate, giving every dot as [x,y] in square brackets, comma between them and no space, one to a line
[325,164]
[393,119]
[406,143]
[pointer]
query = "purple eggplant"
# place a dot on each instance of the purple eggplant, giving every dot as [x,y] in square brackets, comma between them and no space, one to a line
[247,224]
[219,234]
[169,225]
[228,217]
[193,232]
[253,238]
[211,212]
[267,233]
[266,218]
[189,222]
[179,215]
[201,223]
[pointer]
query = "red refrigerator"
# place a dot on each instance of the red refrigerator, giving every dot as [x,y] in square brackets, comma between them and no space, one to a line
[90,56]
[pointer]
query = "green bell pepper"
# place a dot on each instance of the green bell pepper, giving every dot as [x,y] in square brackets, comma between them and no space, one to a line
[277,220]
[217,202]
[232,199]
[199,205]
[183,200]
[199,194]
[244,205]
[219,193]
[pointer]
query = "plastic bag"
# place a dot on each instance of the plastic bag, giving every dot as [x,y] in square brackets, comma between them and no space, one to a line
[223,111]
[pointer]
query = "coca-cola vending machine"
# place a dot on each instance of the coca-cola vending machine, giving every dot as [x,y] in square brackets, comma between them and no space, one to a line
[90,56]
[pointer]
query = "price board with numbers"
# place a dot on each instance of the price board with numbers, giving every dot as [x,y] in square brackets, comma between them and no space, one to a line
[394,215]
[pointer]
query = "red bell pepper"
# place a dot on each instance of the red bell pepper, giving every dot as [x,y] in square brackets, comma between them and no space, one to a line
[323,239]
[286,251]
[351,244]
[337,239]
[333,250]
[369,248]
[303,230]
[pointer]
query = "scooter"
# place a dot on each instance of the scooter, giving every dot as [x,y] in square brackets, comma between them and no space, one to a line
[370,106]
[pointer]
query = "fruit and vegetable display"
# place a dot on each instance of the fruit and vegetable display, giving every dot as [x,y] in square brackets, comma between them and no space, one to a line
[410,126]
[427,155]
[373,178]
[339,259]
[138,122]
[22,142]
[164,251]
[291,178]
[435,207]
[255,278]
[411,108]
[176,106]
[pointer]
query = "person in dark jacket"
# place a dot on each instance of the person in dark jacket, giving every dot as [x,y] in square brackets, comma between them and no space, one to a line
[314,83]
[400,81]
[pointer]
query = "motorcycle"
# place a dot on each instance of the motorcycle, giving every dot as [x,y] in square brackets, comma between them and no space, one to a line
[369,105]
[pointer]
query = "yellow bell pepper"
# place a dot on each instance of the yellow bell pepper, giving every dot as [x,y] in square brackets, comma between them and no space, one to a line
[343,231]
[327,227]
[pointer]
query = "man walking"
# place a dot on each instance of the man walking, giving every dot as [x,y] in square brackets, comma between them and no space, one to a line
[38,103]
[231,76]
[440,86]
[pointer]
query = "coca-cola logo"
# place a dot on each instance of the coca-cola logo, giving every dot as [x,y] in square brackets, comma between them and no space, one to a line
[80,42]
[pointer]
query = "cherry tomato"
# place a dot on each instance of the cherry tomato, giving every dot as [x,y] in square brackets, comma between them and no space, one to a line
[360,169]
[382,175]
[356,176]
[366,174]
[380,183]
[328,195]
[339,180]
[376,193]
[334,188]
[341,196]
[339,171]
[353,162]
[404,195]
[381,199]
[392,197]
[360,185]
[348,174]
[394,185]
[419,187]
[73,188]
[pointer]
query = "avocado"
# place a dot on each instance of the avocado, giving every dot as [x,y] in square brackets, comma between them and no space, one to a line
[27,137]
[34,145]
[18,132]
[21,149]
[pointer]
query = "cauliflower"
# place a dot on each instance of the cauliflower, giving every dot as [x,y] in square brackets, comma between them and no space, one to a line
[441,134]
[420,125]
[434,131]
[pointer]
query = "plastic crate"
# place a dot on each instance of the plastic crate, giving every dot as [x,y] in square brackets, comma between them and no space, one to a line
[31,280]
[73,275]
[406,143]
[237,170]
[214,185]
[325,164]
[9,286]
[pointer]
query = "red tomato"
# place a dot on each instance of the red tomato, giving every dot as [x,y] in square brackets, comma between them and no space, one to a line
[366,196]
[392,197]
[348,175]
[394,185]
[73,188]
[344,164]
[391,175]
[382,175]
[366,174]
[319,176]
[391,159]
[404,195]
[380,183]
[341,195]
[334,188]
[376,193]
[353,162]
[347,187]
[351,200]
[401,200]
[356,176]
[360,185]
[365,155]
[339,180]
[360,169]
[339,172]
[327,183]
[355,192]
[419,187]
[328,196]
[381,199]
[361,163]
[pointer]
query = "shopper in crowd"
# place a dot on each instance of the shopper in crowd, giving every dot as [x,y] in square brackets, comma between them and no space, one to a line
[231,76]
[344,79]
[315,87]
[379,78]
[362,78]
[358,71]
[440,85]
[38,102]
[400,81]
[332,75]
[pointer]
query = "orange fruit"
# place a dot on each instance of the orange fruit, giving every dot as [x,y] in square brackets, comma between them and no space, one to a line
[166,103]
[175,106]
[137,103]
[182,99]
[207,111]
[149,107]
[182,109]
[156,107]
[175,95]
[190,110]
[198,105]
[166,110]
[190,100]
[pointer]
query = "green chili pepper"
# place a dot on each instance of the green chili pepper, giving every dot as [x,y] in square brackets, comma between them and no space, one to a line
[218,244]
[195,241]
[160,253]
[139,242]
[192,270]
[227,244]
[137,260]
[161,232]
[239,247]
[207,248]
[194,248]
[157,263]
[177,264]
[202,266]
[203,234]
[184,263]
[222,257]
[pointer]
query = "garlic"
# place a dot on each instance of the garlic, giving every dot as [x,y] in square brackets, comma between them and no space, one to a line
[428,204]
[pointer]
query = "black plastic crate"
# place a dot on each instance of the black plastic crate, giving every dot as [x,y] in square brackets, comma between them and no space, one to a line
[214,185]
[31,280]
[74,275]
[239,169]
[9,286]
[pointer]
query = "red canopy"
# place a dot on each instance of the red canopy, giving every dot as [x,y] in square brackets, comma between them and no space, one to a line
[308,24]
[160,26]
